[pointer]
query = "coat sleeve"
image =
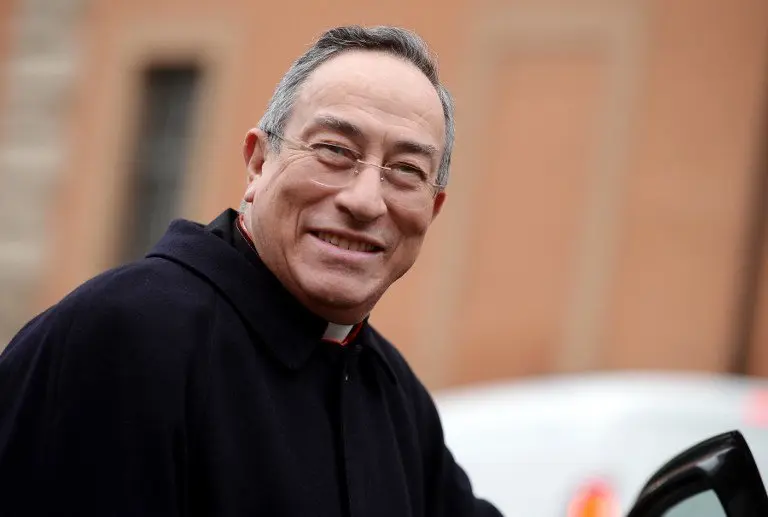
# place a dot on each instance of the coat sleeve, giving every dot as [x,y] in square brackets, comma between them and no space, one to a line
[449,490]
[91,412]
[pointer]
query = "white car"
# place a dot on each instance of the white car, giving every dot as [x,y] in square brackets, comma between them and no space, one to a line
[585,445]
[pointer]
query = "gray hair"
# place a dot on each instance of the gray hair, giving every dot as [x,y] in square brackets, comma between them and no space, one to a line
[392,40]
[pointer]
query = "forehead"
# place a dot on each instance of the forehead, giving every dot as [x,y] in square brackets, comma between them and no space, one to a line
[384,95]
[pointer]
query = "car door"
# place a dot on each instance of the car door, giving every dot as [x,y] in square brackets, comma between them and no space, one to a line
[715,478]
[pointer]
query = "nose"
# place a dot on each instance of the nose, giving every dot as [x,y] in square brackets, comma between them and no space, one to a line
[363,197]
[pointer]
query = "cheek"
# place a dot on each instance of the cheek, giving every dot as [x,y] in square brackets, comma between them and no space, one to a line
[267,213]
[283,201]
[277,192]
[412,229]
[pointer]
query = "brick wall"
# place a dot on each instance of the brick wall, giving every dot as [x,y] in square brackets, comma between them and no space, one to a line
[39,75]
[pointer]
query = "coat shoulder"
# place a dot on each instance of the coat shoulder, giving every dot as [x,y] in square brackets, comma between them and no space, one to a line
[130,333]
[155,287]
[146,307]
[143,281]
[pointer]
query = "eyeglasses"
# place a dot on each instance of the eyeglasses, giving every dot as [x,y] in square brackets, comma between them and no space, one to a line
[405,185]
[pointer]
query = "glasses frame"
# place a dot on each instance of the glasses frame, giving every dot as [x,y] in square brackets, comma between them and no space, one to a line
[434,188]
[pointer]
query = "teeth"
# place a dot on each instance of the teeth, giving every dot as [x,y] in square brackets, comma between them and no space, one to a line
[344,243]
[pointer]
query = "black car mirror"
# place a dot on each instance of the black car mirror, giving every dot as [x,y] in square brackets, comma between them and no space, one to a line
[715,478]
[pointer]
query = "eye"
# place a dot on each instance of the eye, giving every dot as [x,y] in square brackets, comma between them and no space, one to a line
[333,154]
[412,172]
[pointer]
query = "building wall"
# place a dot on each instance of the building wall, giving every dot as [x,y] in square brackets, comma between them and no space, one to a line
[7,29]
[40,57]
[598,210]
[689,186]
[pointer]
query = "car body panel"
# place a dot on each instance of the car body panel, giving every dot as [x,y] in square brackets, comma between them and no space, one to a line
[529,446]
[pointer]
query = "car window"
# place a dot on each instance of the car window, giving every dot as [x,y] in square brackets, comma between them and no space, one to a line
[705,504]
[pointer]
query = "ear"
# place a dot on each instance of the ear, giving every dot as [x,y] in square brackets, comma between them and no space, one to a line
[438,204]
[254,151]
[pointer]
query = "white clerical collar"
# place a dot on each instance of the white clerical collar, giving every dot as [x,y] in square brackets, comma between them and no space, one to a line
[336,332]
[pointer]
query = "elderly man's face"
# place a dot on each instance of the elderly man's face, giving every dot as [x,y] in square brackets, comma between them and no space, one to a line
[339,249]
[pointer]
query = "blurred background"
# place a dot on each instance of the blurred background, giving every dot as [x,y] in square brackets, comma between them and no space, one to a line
[607,208]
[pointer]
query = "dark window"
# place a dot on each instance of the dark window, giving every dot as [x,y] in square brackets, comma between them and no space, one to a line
[159,161]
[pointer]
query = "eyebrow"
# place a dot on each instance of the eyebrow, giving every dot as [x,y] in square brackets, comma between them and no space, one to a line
[409,147]
[342,126]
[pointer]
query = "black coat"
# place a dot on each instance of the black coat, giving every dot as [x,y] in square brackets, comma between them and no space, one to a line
[191,383]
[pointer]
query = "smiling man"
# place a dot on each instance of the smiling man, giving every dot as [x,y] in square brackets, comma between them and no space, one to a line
[233,371]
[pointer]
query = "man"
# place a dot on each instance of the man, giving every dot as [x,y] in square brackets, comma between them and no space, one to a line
[232,372]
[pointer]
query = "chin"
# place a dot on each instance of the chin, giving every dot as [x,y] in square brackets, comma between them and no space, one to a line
[340,294]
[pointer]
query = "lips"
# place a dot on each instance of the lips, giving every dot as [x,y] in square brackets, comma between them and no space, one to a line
[347,243]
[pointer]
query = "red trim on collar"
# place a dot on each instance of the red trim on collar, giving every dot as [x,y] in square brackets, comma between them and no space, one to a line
[350,337]
[245,233]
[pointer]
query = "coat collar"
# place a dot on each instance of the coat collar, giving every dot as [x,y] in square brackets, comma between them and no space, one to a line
[288,329]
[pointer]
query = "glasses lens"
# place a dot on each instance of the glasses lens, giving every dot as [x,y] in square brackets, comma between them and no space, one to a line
[332,178]
[409,197]
[416,198]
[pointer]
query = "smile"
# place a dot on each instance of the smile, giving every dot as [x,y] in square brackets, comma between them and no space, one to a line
[347,244]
